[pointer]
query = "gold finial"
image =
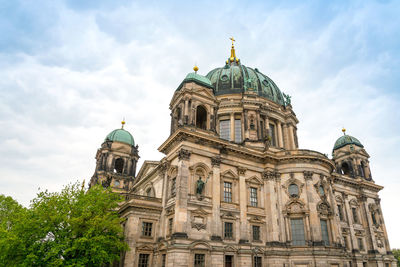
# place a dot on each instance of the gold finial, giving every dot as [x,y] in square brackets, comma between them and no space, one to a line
[344,131]
[195,68]
[233,53]
[122,123]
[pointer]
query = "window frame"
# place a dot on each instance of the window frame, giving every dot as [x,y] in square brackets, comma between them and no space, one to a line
[227,195]
[325,237]
[259,233]
[237,130]
[145,232]
[293,233]
[226,127]
[272,134]
[202,258]
[257,261]
[232,233]
[254,196]
[147,260]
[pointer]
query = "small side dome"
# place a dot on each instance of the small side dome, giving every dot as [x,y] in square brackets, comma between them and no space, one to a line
[347,140]
[120,135]
[196,78]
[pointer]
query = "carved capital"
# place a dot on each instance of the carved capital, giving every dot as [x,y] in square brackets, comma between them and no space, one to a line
[268,175]
[308,175]
[216,161]
[184,154]
[362,198]
[164,166]
[241,170]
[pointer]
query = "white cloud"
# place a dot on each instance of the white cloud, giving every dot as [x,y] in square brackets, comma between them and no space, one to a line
[96,65]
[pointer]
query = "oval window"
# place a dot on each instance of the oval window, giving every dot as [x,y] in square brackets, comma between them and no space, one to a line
[293,190]
[224,78]
[265,83]
[321,190]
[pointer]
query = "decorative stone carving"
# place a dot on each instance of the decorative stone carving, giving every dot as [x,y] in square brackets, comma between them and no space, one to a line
[216,161]
[184,154]
[308,175]
[241,170]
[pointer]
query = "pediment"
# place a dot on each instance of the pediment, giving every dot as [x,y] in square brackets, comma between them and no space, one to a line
[145,247]
[229,174]
[254,180]
[200,211]
[200,245]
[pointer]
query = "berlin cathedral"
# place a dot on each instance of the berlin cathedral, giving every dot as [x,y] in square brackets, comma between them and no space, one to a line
[234,189]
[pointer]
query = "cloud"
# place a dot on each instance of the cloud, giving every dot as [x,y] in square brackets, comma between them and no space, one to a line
[72,70]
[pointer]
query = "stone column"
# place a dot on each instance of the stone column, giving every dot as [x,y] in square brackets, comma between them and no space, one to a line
[186,112]
[271,216]
[378,203]
[131,233]
[163,220]
[315,225]
[280,139]
[244,236]
[232,120]
[181,213]
[349,217]
[335,225]
[369,225]
[286,141]
[216,226]
[292,144]
[282,228]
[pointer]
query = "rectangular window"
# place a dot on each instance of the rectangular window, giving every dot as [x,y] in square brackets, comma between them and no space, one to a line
[228,261]
[199,260]
[225,129]
[163,260]
[360,244]
[355,217]
[170,223]
[257,261]
[227,192]
[253,197]
[272,134]
[340,210]
[256,232]
[345,242]
[228,230]
[143,260]
[146,228]
[261,128]
[298,238]
[324,231]
[238,131]
[173,187]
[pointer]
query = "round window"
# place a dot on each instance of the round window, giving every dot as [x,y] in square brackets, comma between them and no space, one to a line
[293,190]
[224,78]
[265,83]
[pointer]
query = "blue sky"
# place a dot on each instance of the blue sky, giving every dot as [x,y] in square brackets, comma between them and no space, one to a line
[70,70]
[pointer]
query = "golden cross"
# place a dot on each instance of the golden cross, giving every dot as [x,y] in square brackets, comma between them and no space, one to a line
[232,39]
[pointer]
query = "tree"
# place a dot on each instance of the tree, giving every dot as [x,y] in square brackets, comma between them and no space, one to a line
[396,254]
[70,228]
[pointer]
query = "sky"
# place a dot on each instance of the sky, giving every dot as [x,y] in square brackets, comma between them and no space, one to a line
[71,70]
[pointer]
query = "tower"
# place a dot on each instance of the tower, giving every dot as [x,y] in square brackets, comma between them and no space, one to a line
[116,161]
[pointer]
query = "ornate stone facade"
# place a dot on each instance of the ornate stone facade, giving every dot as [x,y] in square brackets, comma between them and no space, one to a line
[262,201]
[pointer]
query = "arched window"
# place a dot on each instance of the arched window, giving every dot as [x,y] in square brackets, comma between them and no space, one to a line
[201,118]
[321,190]
[345,168]
[362,174]
[148,192]
[118,165]
[293,190]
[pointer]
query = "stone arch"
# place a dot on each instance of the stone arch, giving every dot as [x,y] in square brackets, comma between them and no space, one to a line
[203,245]
[149,190]
[201,117]
[118,165]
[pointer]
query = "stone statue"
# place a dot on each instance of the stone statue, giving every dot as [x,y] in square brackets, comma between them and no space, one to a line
[288,100]
[200,186]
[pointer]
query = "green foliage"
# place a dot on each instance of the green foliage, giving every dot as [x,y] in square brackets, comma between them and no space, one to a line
[396,254]
[70,228]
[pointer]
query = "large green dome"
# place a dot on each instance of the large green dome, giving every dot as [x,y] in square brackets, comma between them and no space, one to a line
[120,135]
[236,78]
[346,140]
